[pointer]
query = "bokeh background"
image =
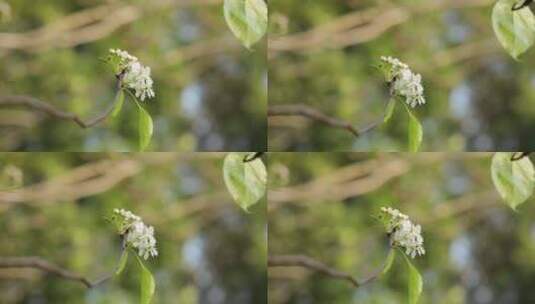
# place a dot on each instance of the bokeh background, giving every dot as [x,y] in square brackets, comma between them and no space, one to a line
[53,205]
[479,251]
[321,54]
[210,91]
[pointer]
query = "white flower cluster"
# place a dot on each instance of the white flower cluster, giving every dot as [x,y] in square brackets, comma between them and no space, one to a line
[403,233]
[405,83]
[138,235]
[136,76]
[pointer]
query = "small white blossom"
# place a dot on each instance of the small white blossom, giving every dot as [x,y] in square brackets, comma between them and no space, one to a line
[135,75]
[403,81]
[127,216]
[137,234]
[403,233]
[395,63]
[124,58]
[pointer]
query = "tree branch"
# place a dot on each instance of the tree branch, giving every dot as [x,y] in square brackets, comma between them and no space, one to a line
[82,181]
[313,114]
[353,185]
[88,25]
[201,50]
[44,265]
[309,263]
[360,26]
[38,105]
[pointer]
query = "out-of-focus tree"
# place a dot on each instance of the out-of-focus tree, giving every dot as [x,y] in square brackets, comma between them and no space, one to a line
[210,90]
[322,55]
[210,250]
[478,250]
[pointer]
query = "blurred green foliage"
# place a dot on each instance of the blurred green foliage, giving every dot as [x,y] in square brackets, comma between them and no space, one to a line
[210,251]
[210,90]
[477,249]
[478,97]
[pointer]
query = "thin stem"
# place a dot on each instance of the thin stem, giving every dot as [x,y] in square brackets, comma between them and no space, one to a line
[519,6]
[381,271]
[38,105]
[133,96]
[250,157]
[309,263]
[44,265]
[316,115]
[519,155]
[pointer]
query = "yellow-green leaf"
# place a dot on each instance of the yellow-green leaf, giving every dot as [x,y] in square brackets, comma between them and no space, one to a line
[246,181]
[145,127]
[415,132]
[147,285]
[515,30]
[118,103]
[415,284]
[247,19]
[122,262]
[514,180]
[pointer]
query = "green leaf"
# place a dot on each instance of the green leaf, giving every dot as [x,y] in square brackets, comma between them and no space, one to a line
[147,285]
[247,19]
[122,262]
[145,127]
[389,109]
[118,103]
[246,181]
[514,180]
[415,132]
[415,283]
[515,30]
[388,262]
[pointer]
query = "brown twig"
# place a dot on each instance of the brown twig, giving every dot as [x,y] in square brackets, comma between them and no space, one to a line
[309,263]
[38,105]
[44,265]
[311,113]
